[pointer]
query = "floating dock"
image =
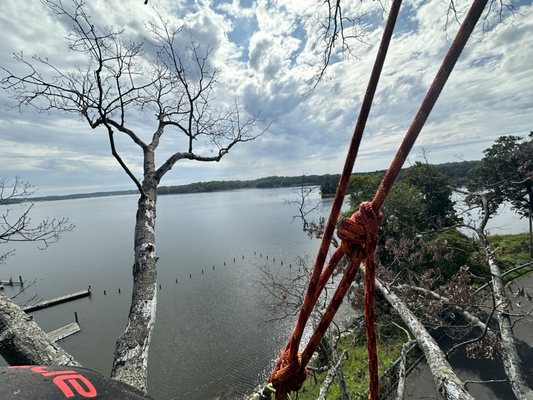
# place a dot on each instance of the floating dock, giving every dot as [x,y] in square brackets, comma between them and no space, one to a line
[11,282]
[63,332]
[57,300]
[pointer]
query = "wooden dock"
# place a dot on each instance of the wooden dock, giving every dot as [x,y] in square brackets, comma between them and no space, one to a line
[11,282]
[63,332]
[57,300]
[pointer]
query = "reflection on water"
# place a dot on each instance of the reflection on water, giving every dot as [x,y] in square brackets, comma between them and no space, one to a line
[210,339]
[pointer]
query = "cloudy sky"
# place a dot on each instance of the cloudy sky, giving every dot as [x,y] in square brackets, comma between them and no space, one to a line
[267,53]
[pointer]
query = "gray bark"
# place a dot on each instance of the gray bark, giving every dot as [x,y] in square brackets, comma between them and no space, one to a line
[402,373]
[22,342]
[339,373]
[332,373]
[131,352]
[448,384]
[511,361]
[510,358]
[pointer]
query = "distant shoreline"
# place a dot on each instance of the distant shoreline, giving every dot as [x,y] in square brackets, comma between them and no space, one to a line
[271,182]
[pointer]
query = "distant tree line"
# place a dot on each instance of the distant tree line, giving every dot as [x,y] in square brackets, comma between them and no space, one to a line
[457,172]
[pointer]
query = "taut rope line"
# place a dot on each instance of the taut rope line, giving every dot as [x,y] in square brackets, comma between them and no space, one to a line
[359,232]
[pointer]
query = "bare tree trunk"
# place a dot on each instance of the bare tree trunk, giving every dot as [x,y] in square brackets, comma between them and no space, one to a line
[448,384]
[131,353]
[402,373]
[22,342]
[511,362]
[530,234]
[530,217]
[332,373]
[510,358]
[339,373]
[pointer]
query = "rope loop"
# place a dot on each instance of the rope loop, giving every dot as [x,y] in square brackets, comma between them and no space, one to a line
[361,229]
[289,375]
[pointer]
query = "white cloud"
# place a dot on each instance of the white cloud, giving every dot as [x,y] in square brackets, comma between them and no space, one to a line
[266,52]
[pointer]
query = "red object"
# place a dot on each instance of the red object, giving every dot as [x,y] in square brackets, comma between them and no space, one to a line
[359,232]
[29,382]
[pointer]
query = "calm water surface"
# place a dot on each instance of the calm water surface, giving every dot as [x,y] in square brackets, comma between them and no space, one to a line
[211,340]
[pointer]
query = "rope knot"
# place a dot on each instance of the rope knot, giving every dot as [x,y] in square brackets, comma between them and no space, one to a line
[360,229]
[288,376]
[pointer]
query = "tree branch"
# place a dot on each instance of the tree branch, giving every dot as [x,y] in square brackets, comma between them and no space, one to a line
[23,342]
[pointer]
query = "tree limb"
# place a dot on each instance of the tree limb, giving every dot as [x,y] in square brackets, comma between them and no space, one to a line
[448,384]
[23,342]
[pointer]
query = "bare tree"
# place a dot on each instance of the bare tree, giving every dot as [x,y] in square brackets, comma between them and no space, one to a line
[15,221]
[162,77]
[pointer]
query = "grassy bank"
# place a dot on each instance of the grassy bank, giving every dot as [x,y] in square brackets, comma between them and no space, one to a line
[355,368]
[513,250]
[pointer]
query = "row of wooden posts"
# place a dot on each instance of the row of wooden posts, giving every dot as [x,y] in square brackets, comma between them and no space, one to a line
[214,268]
[74,327]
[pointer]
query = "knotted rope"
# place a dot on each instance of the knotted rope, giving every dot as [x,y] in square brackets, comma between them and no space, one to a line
[359,232]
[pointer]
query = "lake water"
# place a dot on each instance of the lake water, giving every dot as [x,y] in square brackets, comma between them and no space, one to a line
[210,337]
[211,340]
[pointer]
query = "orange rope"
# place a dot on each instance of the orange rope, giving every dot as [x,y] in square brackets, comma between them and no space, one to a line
[359,232]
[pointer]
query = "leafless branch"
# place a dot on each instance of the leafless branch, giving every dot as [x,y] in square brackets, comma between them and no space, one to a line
[15,221]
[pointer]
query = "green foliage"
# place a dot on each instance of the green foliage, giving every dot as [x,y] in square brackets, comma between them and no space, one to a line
[512,249]
[408,211]
[435,188]
[328,187]
[456,250]
[506,173]
[355,368]
[404,211]
[458,172]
